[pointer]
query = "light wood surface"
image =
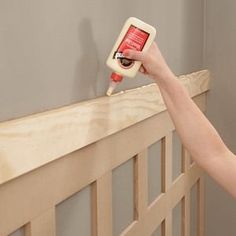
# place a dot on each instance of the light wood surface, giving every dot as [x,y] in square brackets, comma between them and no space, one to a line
[186,203]
[42,225]
[30,142]
[167,156]
[161,207]
[140,185]
[53,183]
[201,207]
[49,170]
[102,206]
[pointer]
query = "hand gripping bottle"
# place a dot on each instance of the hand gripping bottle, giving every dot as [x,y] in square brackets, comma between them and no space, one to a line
[135,35]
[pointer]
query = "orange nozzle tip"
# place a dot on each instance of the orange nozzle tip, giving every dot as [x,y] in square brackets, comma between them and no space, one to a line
[111,88]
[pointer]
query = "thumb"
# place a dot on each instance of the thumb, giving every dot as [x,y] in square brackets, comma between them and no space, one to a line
[132,54]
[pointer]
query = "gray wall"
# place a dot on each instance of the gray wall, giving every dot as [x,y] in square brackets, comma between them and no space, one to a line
[220,58]
[53,53]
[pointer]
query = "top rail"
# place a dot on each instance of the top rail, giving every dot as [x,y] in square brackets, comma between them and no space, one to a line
[30,142]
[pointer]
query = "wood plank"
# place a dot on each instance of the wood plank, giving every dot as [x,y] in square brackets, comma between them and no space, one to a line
[186,200]
[102,206]
[42,225]
[141,184]
[167,177]
[168,224]
[53,183]
[28,143]
[186,160]
[167,162]
[186,223]
[201,205]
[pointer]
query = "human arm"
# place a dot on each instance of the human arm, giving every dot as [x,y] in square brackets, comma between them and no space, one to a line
[197,134]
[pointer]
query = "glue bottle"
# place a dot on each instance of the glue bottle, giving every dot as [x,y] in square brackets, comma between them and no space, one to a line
[135,35]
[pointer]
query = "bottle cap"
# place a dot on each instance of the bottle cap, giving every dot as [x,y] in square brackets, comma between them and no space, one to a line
[116,77]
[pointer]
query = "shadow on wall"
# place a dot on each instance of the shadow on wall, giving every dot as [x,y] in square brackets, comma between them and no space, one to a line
[87,65]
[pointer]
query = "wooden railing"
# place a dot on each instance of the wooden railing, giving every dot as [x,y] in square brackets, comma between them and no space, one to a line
[48,157]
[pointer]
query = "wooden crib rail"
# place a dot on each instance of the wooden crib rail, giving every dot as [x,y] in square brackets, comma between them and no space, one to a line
[46,158]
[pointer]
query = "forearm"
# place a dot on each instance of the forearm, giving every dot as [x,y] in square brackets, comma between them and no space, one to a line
[196,132]
[198,135]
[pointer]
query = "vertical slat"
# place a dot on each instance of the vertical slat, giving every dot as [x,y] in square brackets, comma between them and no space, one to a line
[186,200]
[140,184]
[42,225]
[102,205]
[186,215]
[186,160]
[201,209]
[167,229]
[167,178]
[167,162]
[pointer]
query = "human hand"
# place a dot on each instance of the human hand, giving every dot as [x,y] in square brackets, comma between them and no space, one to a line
[153,63]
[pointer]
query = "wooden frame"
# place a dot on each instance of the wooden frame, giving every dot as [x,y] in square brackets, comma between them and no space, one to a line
[58,148]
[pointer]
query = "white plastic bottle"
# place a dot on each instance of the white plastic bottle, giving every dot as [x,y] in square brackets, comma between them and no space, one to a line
[136,35]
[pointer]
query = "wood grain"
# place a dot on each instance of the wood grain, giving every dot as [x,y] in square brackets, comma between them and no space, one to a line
[51,184]
[31,142]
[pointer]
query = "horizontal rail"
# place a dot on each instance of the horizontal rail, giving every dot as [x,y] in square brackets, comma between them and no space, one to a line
[33,141]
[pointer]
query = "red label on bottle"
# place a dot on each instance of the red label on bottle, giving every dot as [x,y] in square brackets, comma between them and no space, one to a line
[135,39]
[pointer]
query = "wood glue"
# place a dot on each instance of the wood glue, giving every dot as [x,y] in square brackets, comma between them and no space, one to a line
[135,35]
